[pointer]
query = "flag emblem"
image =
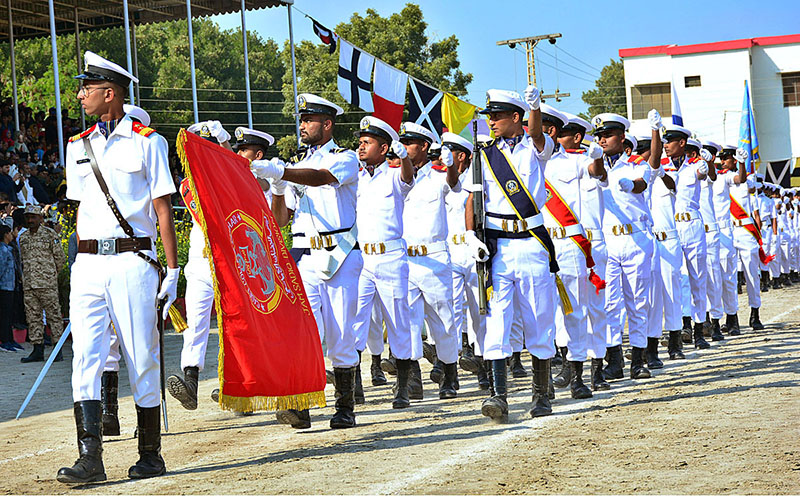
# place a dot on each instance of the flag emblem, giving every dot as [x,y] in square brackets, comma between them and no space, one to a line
[512,187]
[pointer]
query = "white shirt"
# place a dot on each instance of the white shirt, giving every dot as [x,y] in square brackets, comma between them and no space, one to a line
[662,205]
[707,211]
[136,169]
[622,207]
[565,173]
[722,196]
[456,204]
[592,206]
[765,208]
[381,199]
[425,213]
[333,206]
[739,192]
[687,185]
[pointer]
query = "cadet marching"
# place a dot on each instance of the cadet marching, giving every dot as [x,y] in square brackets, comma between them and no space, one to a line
[572,243]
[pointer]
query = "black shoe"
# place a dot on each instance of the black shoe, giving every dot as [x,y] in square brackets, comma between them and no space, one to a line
[389,365]
[401,399]
[89,466]
[329,379]
[787,281]
[564,378]
[598,381]
[185,390]
[794,276]
[344,382]
[707,326]
[358,389]
[496,407]
[653,362]
[556,361]
[109,383]
[215,395]
[733,328]
[764,281]
[378,379]
[675,346]
[615,363]
[686,330]
[699,341]
[429,352]
[483,377]
[638,370]
[716,332]
[540,401]
[298,419]
[739,282]
[37,355]
[578,389]
[776,283]
[447,388]
[150,463]
[755,320]
[468,361]
[415,391]
[517,369]
[437,372]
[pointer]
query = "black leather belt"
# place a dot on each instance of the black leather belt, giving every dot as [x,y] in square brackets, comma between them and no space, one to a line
[114,246]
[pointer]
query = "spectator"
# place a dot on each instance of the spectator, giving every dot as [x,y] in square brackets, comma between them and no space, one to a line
[37,184]
[6,290]
[51,128]
[7,184]
[24,188]
[18,319]
[5,211]
[20,148]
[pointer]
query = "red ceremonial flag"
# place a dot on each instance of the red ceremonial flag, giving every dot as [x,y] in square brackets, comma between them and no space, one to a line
[270,356]
[389,94]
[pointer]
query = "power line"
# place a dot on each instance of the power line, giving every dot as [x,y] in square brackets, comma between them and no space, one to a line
[568,64]
[579,60]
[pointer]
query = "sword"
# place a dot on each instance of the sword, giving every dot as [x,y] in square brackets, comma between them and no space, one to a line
[46,367]
[160,310]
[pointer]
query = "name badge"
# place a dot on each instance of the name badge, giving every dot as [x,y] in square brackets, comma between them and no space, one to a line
[83,160]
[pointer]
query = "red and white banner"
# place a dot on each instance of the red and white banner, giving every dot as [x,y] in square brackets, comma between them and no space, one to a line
[389,94]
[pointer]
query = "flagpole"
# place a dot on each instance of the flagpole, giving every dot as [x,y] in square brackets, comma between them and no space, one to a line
[289,4]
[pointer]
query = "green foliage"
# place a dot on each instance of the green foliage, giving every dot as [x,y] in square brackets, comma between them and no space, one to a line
[609,94]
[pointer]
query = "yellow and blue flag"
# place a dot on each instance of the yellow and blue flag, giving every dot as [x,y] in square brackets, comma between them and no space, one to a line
[747,133]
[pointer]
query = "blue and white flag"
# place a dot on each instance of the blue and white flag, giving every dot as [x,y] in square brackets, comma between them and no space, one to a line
[677,116]
[747,133]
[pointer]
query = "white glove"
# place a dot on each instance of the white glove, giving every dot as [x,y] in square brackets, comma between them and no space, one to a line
[654,119]
[478,249]
[595,151]
[706,155]
[446,157]
[278,187]
[399,149]
[217,131]
[702,168]
[742,155]
[268,169]
[625,185]
[660,172]
[169,289]
[533,97]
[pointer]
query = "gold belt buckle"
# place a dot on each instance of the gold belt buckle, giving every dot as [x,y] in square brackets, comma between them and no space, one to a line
[708,228]
[369,248]
[382,248]
[661,236]
[588,235]
[504,225]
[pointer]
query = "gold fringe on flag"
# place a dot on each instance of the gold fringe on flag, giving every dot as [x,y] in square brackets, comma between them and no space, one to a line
[566,304]
[302,401]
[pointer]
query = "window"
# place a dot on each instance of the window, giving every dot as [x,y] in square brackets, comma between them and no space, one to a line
[691,81]
[651,96]
[791,89]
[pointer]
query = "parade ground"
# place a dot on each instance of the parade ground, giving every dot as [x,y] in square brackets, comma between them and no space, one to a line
[726,420]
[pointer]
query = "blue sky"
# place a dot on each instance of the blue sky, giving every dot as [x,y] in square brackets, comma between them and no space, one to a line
[592,32]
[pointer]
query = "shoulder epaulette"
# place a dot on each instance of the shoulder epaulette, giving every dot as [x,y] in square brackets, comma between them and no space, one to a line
[693,160]
[439,168]
[575,150]
[636,159]
[82,135]
[665,161]
[140,128]
[339,150]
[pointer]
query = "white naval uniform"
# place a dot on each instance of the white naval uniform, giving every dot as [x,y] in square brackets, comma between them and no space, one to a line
[795,251]
[728,256]
[383,283]
[666,292]
[323,209]
[766,209]
[119,289]
[430,277]
[775,247]
[523,286]
[626,226]
[747,245]
[785,234]
[565,173]
[465,275]
[713,266]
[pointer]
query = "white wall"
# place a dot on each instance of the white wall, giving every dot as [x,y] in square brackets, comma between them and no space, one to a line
[778,126]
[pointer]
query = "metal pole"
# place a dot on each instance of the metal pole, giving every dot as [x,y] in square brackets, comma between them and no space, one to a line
[246,72]
[13,67]
[78,59]
[191,60]
[54,49]
[127,32]
[135,59]
[294,72]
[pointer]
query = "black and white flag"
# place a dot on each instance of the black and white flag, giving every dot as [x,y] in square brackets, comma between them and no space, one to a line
[425,107]
[326,35]
[355,76]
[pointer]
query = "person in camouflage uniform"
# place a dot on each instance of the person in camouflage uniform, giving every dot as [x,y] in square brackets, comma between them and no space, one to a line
[42,259]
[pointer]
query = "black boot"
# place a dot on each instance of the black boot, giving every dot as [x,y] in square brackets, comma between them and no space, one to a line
[108,397]
[787,281]
[716,332]
[468,361]
[389,365]
[150,463]
[496,407]
[329,376]
[794,276]
[686,330]
[564,378]
[707,326]
[776,283]
[733,329]
[578,389]
[378,379]
[517,369]
[653,362]
[699,341]
[638,370]
[615,364]
[739,282]
[764,281]
[89,466]
[415,381]
[755,321]
[184,390]
[598,381]
[358,389]
[675,347]
[429,352]
[540,402]
[447,388]
[483,377]
[345,415]
[556,361]
[437,372]
[37,355]
[298,419]
[487,365]
[401,388]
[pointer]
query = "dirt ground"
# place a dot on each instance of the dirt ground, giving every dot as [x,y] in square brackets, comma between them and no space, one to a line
[727,420]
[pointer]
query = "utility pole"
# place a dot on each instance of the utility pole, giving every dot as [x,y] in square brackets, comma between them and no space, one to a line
[530,43]
[557,95]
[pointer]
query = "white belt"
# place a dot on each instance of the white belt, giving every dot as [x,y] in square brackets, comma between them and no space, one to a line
[424,250]
[381,247]
[684,216]
[665,235]
[713,227]
[742,222]
[565,232]
[458,239]
[623,229]
[724,224]
[594,234]
[513,225]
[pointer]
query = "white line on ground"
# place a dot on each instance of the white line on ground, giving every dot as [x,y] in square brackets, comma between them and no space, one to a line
[30,455]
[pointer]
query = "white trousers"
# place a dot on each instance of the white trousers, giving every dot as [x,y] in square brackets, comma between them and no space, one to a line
[596,304]
[334,303]
[785,250]
[667,288]
[572,329]
[728,257]
[383,291]
[775,249]
[199,302]
[430,299]
[714,272]
[766,236]
[120,289]
[465,299]
[521,271]
[747,246]
[628,274]
[693,242]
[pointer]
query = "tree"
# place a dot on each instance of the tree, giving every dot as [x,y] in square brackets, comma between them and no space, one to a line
[609,94]
[398,40]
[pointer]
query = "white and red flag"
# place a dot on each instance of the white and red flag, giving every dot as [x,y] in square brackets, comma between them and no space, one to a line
[389,94]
